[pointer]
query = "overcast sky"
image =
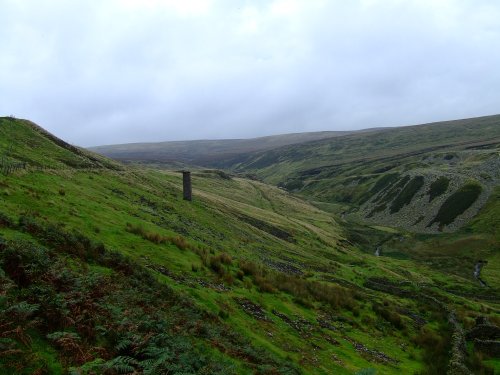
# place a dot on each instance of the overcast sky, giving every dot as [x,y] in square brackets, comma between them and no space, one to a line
[116,71]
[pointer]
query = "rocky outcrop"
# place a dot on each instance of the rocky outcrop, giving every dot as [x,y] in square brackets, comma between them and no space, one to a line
[252,309]
[371,354]
[299,324]
[418,213]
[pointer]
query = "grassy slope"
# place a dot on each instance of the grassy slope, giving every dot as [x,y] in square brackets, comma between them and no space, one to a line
[205,152]
[99,202]
[365,174]
[275,165]
[24,141]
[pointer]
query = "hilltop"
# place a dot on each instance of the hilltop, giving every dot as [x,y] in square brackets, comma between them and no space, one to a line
[104,268]
[205,153]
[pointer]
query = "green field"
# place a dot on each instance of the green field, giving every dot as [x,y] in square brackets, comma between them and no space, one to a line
[106,269]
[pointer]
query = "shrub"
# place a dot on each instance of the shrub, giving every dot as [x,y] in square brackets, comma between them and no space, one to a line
[456,204]
[249,268]
[223,314]
[406,195]
[438,188]
[225,258]
[387,312]
[475,362]
[435,349]
[216,266]
[333,295]
[229,278]
[303,302]
[23,263]
[180,242]
[383,182]
[5,221]
[264,284]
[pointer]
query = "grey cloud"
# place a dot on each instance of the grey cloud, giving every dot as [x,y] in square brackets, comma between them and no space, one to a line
[126,70]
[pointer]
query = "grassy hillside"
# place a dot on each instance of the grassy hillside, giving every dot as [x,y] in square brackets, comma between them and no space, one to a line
[207,153]
[314,157]
[423,178]
[105,269]
[22,141]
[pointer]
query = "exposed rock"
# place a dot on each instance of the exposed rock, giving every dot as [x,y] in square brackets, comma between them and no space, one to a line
[166,272]
[252,309]
[299,324]
[371,354]
[331,340]
[337,360]
[323,323]
[417,319]
[377,209]
[283,267]
[219,287]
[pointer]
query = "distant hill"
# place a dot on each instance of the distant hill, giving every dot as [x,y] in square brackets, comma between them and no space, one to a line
[406,177]
[386,175]
[206,153]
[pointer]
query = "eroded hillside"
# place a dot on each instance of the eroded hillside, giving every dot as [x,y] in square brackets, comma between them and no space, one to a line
[426,178]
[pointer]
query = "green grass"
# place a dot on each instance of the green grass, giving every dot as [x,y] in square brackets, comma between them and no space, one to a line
[348,150]
[178,266]
[356,169]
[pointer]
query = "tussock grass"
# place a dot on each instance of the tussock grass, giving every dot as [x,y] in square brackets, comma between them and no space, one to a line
[302,289]
[159,239]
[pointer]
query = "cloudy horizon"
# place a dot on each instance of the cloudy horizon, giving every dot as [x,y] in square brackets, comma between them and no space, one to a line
[119,71]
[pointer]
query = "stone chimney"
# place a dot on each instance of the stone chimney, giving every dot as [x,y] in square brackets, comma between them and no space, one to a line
[187,190]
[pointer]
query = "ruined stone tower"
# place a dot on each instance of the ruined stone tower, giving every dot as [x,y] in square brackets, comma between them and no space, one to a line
[187,190]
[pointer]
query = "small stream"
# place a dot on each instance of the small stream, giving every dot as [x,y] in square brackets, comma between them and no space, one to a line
[377,251]
[477,272]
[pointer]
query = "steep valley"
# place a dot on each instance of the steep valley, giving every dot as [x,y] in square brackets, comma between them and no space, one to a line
[104,268]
